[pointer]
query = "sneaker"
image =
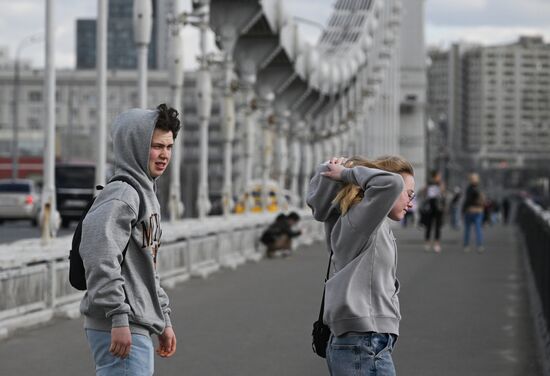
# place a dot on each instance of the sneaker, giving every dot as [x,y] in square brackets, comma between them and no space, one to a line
[466,249]
[427,248]
[437,248]
[480,249]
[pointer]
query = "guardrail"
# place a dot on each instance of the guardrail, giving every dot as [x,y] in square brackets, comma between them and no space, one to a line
[34,278]
[534,223]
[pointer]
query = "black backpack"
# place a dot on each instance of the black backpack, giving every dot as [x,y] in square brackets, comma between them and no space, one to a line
[77,276]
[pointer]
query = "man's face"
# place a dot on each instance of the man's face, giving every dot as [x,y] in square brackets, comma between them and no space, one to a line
[160,152]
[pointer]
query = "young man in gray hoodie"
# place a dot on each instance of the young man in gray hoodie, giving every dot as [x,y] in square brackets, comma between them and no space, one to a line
[125,304]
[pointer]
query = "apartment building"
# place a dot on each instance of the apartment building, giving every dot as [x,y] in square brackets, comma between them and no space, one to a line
[509,103]
[491,106]
[76,119]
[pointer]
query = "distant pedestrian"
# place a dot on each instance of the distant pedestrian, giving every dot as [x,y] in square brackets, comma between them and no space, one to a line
[125,304]
[454,208]
[505,210]
[434,204]
[473,208]
[355,199]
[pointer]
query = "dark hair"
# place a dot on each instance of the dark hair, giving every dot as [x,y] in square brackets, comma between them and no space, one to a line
[168,119]
[280,218]
[435,177]
[293,216]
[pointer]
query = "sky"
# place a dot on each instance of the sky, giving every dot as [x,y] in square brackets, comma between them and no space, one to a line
[446,21]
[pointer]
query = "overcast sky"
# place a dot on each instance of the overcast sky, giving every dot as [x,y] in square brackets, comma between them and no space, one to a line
[483,21]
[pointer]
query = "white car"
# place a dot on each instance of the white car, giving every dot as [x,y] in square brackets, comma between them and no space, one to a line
[19,200]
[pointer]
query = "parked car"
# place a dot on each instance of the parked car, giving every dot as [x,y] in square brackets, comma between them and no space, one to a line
[74,184]
[19,200]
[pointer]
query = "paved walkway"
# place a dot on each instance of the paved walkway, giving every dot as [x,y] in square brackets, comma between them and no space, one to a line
[463,315]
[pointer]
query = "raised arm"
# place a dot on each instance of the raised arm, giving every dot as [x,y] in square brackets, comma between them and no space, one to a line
[381,189]
[321,193]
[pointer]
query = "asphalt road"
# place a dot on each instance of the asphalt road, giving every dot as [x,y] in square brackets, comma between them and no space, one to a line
[463,314]
[11,231]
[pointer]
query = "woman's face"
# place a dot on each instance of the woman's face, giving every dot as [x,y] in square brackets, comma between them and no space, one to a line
[404,201]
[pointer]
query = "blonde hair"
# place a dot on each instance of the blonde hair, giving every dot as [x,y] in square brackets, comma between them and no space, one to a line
[474,178]
[351,194]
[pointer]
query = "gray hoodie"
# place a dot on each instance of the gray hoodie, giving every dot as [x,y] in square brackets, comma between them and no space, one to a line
[361,294]
[128,294]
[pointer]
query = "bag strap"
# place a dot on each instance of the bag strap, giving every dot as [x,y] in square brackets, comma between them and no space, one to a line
[132,183]
[141,210]
[322,309]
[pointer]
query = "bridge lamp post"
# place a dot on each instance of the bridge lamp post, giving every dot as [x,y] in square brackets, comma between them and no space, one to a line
[307,162]
[282,129]
[296,155]
[229,37]
[204,93]
[101,67]
[15,101]
[248,82]
[49,216]
[267,119]
[175,69]
[199,17]
[142,18]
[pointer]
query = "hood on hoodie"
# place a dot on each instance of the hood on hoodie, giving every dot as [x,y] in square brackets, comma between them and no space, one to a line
[131,134]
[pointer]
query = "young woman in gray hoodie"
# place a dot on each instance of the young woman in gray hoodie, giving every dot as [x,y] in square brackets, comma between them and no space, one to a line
[355,199]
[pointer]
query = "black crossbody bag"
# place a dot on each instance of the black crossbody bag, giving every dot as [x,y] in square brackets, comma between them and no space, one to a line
[321,332]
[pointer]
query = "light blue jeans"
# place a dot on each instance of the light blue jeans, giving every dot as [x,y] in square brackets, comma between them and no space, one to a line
[140,362]
[361,355]
[474,219]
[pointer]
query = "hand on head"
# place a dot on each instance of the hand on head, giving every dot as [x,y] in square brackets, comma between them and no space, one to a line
[335,167]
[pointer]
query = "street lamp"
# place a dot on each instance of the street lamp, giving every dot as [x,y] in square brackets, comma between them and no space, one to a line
[101,66]
[142,17]
[247,83]
[228,39]
[266,101]
[15,101]
[49,214]
[175,68]
[199,17]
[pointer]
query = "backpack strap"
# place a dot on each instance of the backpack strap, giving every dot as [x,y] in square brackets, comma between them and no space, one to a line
[141,210]
[131,182]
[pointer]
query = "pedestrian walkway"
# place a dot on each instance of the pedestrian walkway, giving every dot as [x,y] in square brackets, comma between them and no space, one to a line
[463,314]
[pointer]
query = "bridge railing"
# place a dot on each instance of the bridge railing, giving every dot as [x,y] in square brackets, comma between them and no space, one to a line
[34,283]
[534,223]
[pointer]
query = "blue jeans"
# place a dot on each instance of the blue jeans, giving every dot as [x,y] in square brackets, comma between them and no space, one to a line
[140,362]
[361,355]
[469,220]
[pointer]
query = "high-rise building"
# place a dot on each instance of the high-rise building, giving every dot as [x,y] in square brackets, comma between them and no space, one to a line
[121,49]
[85,44]
[492,105]
[413,88]
[509,103]
[445,131]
